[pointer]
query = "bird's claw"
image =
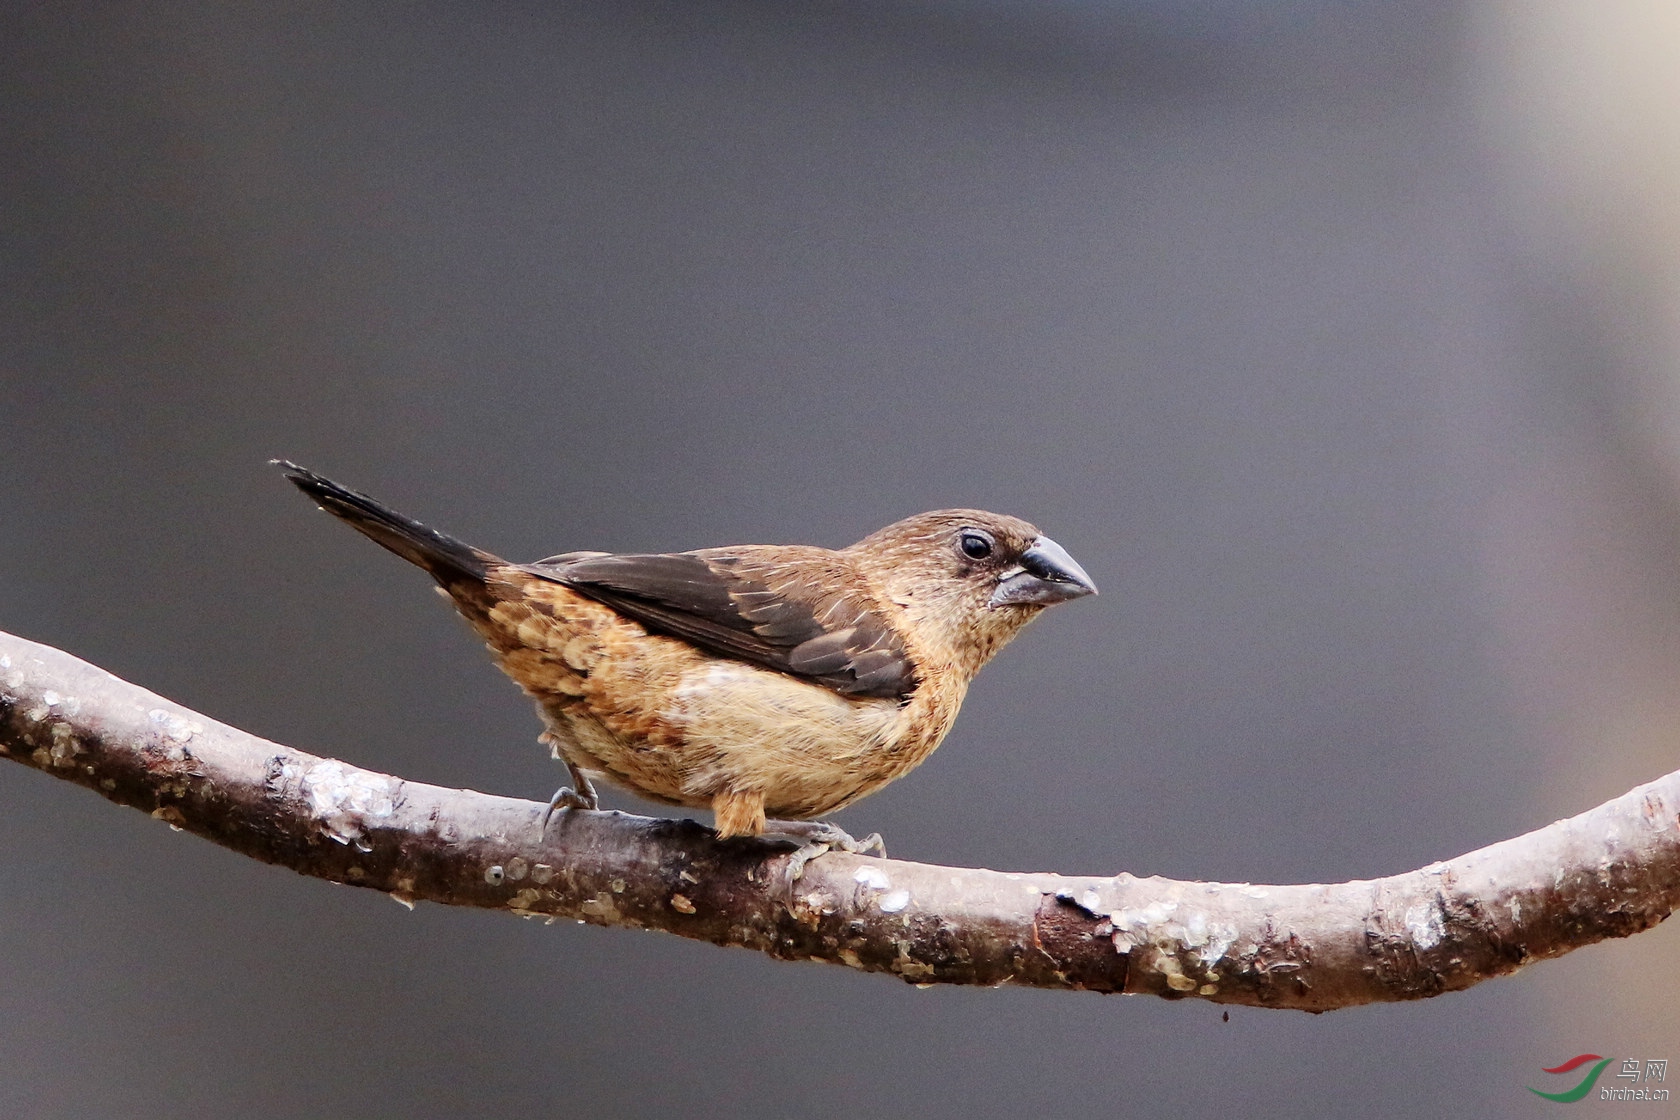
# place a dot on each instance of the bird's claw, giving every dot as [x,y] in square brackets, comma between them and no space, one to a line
[567,798]
[871,845]
[819,838]
[581,797]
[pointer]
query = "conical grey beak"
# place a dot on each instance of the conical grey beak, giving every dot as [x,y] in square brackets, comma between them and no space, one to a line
[1047,575]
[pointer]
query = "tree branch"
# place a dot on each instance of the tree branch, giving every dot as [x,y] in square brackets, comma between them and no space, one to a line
[1609,872]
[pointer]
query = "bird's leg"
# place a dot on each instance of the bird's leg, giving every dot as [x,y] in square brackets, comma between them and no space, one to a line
[819,837]
[580,795]
[738,812]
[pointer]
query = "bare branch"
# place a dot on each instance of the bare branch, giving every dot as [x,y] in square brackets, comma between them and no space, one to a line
[1609,872]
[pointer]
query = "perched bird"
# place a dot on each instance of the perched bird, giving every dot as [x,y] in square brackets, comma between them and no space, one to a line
[773,684]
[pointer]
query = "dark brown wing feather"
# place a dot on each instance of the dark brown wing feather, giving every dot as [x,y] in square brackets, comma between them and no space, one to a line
[785,609]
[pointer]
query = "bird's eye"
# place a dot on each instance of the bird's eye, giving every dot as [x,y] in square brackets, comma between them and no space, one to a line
[976,546]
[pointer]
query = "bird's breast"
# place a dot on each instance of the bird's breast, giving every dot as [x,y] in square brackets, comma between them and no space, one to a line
[805,747]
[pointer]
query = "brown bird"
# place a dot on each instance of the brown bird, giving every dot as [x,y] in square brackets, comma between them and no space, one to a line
[760,681]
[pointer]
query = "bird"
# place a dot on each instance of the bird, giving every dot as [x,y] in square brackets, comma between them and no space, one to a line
[771,684]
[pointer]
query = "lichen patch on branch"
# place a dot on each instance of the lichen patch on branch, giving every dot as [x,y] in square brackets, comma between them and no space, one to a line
[347,801]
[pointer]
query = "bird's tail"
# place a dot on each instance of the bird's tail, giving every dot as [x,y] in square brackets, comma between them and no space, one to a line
[447,559]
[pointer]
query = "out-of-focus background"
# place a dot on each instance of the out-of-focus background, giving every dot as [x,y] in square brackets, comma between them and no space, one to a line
[1338,341]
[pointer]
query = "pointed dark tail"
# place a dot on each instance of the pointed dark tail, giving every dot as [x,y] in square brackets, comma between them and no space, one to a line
[446,558]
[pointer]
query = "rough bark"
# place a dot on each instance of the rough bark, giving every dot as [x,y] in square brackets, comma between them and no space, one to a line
[1609,872]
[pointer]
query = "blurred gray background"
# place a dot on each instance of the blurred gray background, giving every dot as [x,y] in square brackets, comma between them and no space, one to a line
[1336,340]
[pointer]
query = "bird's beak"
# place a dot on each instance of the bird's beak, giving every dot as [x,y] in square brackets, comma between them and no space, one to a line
[1047,574]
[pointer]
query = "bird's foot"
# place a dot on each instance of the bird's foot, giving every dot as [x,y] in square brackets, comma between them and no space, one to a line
[565,798]
[820,837]
[583,797]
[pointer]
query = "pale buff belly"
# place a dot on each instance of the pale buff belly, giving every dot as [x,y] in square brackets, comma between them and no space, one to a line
[731,726]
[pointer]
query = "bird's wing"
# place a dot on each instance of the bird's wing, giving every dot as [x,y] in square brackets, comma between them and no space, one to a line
[795,610]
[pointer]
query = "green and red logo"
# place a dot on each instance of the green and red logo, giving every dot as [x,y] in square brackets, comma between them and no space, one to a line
[1587,1081]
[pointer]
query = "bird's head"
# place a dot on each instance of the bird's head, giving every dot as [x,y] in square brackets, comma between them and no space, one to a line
[968,579]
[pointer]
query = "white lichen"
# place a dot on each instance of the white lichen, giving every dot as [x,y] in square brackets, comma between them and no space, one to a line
[1424,925]
[344,799]
[1153,914]
[174,727]
[872,877]
[894,901]
[1184,946]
